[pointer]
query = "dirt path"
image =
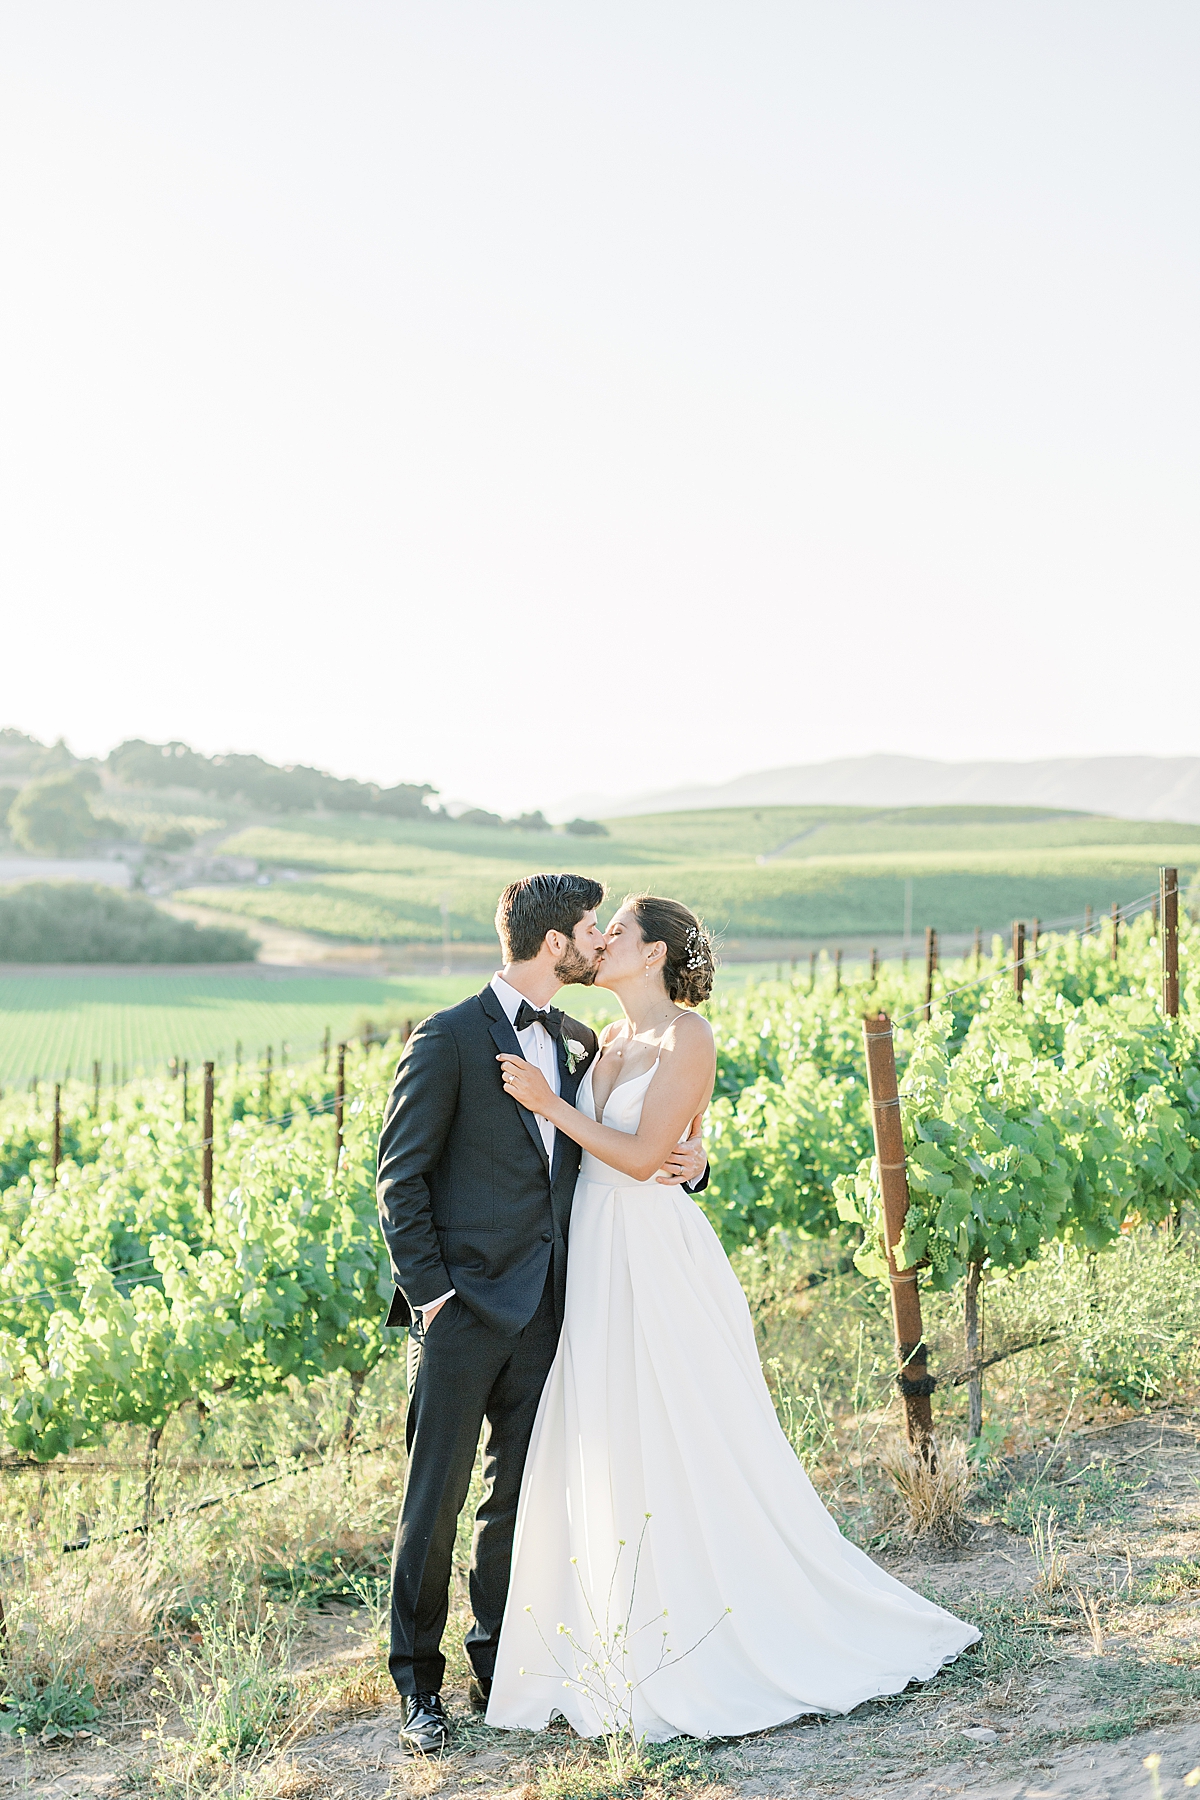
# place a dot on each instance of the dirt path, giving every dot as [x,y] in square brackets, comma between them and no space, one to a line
[1083,1567]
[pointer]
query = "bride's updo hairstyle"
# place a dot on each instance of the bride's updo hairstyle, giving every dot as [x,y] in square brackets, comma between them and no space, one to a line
[691,964]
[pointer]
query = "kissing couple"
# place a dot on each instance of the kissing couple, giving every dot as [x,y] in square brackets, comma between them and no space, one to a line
[648,1553]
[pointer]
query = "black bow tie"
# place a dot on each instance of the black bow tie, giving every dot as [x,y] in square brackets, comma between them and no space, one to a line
[551,1019]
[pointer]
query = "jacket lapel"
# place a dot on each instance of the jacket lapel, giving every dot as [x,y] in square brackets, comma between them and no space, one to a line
[568,1087]
[505,1038]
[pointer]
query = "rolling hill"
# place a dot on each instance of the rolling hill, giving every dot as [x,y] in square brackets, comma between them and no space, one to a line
[753,872]
[1131,787]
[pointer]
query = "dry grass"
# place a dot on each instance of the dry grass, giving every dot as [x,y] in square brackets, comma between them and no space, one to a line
[934,1492]
[124,1607]
[418,1778]
[278,1777]
[362,1689]
[77,1637]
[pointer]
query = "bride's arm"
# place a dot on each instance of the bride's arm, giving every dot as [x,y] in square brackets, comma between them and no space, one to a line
[680,1089]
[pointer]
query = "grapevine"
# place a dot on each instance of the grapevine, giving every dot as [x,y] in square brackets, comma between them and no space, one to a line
[1067,1119]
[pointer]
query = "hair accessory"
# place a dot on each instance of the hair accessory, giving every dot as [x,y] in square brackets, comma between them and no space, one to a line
[697,944]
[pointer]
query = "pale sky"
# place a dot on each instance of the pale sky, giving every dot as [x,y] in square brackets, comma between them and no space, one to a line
[538,398]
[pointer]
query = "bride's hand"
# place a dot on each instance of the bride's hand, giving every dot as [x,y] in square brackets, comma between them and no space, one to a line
[527,1085]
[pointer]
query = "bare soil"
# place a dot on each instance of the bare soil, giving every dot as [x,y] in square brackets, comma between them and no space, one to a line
[1090,1665]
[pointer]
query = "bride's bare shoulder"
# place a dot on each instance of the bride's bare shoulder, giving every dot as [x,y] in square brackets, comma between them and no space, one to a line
[688,1031]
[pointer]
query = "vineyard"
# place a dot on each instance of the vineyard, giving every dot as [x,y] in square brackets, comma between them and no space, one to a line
[1061,1116]
[768,872]
[162,1296]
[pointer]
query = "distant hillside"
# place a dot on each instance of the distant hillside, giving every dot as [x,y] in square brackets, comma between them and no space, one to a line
[766,872]
[1122,787]
[251,779]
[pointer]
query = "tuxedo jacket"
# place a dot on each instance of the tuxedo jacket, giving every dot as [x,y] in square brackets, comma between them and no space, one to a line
[468,1198]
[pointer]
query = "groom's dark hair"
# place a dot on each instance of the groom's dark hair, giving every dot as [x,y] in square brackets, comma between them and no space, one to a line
[536,904]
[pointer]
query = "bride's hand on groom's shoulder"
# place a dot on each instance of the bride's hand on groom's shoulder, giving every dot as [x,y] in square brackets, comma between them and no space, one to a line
[526,1084]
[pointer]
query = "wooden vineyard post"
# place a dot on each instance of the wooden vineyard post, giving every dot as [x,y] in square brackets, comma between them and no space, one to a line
[812,970]
[837,971]
[1087,921]
[339,1105]
[206,1164]
[1035,938]
[184,1072]
[267,1086]
[874,964]
[95,1090]
[1018,959]
[1116,933]
[1168,894]
[325,1053]
[56,1141]
[913,1377]
[978,948]
[407,1031]
[931,960]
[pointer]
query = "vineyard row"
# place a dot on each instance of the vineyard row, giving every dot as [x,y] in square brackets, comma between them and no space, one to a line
[143,1264]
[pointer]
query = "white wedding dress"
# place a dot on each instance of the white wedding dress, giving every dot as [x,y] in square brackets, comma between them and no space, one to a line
[656,1405]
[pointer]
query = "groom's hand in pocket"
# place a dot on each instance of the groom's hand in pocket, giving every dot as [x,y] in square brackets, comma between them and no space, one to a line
[430,1313]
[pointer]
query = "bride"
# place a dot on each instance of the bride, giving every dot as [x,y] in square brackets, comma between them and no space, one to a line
[674,1570]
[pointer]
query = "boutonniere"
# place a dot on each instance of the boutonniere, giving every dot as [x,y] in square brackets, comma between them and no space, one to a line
[575,1052]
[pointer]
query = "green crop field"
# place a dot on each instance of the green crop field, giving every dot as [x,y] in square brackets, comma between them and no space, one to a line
[774,872]
[771,872]
[53,1024]
[59,1024]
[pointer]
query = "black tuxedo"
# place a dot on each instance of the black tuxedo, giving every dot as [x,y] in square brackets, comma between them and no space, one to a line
[466,1197]
[468,1200]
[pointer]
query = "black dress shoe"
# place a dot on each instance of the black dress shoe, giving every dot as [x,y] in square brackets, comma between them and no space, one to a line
[479,1692]
[426,1729]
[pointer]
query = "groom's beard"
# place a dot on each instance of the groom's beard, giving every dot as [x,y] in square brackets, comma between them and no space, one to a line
[573,968]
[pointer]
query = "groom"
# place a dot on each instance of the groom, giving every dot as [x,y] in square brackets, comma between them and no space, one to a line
[475,1201]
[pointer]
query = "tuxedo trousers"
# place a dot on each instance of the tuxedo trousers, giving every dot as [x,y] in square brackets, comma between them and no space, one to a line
[463,1377]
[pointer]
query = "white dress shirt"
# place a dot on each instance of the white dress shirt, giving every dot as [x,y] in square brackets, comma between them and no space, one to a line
[537,1047]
